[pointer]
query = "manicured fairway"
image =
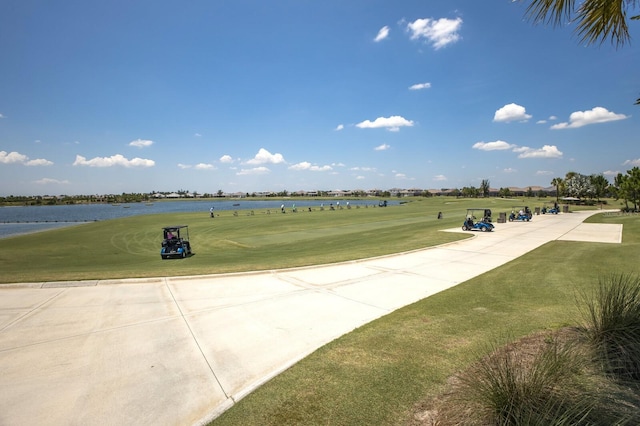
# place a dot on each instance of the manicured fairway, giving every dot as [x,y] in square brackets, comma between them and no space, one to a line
[233,241]
[385,372]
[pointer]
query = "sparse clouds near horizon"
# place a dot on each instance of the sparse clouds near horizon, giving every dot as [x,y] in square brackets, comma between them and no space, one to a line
[365,95]
[305,165]
[593,116]
[547,151]
[113,161]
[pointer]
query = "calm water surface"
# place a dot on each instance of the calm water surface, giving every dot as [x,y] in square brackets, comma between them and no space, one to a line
[28,219]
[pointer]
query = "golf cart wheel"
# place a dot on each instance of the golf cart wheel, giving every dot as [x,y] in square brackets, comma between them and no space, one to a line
[484,228]
[464,228]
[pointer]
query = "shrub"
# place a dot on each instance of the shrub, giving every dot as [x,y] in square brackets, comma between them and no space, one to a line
[613,325]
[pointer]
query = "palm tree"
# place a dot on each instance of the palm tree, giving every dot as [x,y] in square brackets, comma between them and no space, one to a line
[597,20]
[485,187]
[557,182]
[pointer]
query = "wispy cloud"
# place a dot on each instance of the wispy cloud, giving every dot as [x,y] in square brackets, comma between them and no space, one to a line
[141,143]
[547,151]
[339,127]
[305,165]
[634,163]
[254,171]
[49,181]
[439,178]
[117,160]
[382,34]
[511,112]
[593,116]
[382,147]
[420,86]
[493,146]
[392,123]
[438,32]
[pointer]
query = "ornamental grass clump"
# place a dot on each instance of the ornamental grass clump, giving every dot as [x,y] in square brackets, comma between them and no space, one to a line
[540,383]
[613,325]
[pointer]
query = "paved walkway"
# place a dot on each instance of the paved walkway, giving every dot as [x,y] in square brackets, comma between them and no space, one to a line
[178,351]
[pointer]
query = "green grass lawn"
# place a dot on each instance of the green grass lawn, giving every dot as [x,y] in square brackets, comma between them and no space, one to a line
[383,372]
[386,371]
[130,247]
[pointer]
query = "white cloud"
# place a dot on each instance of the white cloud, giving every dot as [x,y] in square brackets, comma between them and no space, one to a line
[611,173]
[2,116]
[509,170]
[547,151]
[141,143]
[360,178]
[46,181]
[382,147]
[438,32]
[363,169]
[184,166]
[226,159]
[382,34]
[541,121]
[305,165]
[255,171]
[38,162]
[440,178]
[511,112]
[114,160]
[265,157]
[392,123]
[544,173]
[12,157]
[339,127]
[493,146]
[197,135]
[593,116]
[420,86]
[17,158]
[634,163]
[204,166]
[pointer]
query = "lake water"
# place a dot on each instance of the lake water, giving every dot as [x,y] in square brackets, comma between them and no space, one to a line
[28,219]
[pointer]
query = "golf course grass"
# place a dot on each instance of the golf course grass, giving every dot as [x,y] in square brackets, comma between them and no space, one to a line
[388,371]
[233,241]
[383,373]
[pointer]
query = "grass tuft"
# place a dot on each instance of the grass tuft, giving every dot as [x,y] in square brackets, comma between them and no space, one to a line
[613,325]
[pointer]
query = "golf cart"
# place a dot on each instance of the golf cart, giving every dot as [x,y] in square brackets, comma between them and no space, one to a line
[483,224]
[551,210]
[175,242]
[520,214]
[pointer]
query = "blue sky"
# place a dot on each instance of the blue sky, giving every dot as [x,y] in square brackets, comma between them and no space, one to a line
[244,95]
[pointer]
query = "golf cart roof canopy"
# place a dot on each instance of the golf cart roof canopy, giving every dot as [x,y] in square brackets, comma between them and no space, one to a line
[175,227]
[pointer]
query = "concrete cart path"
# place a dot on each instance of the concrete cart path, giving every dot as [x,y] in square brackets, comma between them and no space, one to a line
[178,351]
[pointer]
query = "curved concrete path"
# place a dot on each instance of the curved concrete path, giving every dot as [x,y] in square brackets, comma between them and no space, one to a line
[177,351]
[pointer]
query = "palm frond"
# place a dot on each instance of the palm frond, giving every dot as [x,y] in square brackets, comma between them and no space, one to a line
[599,20]
[554,11]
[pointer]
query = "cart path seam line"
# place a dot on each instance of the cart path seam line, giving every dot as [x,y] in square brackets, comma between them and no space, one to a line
[196,342]
[26,314]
